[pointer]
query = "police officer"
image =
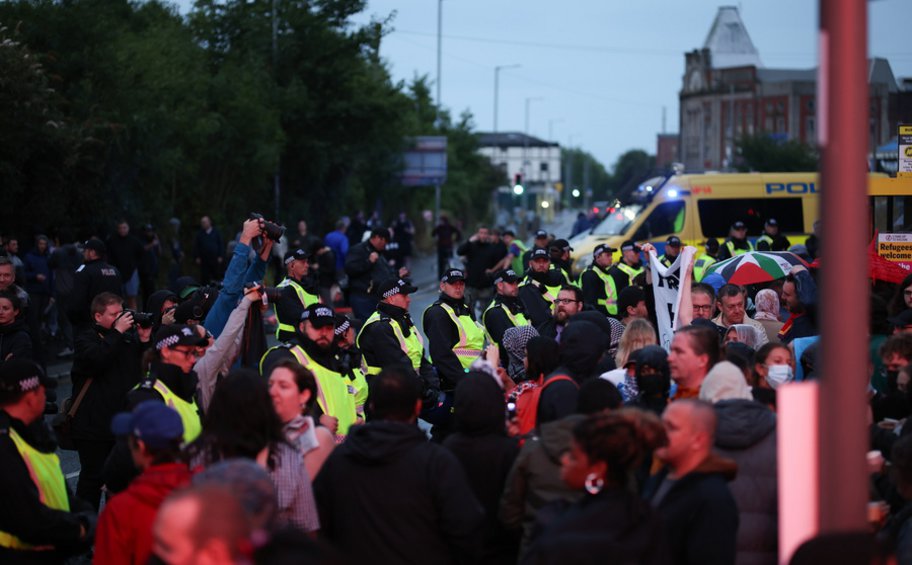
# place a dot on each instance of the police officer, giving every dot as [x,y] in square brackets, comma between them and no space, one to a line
[297,292]
[40,520]
[737,243]
[540,286]
[312,347]
[455,339]
[368,267]
[505,311]
[771,239]
[388,338]
[672,250]
[349,361]
[629,268]
[706,259]
[171,378]
[560,259]
[92,278]
[599,288]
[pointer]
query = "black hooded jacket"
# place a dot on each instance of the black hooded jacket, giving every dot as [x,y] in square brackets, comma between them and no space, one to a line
[481,445]
[386,495]
[582,346]
[746,433]
[15,341]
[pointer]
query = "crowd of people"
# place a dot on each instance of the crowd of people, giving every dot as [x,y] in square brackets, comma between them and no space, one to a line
[534,417]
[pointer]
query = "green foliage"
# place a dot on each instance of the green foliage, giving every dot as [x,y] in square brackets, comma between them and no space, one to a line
[632,167]
[114,107]
[578,161]
[762,153]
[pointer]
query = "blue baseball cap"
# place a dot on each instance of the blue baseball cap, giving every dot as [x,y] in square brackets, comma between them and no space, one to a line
[153,422]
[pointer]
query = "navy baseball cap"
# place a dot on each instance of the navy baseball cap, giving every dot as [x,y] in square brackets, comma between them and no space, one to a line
[295,255]
[178,334]
[319,316]
[22,375]
[507,275]
[772,222]
[452,276]
[673,241]
[539,253]
[95,245]
[153,422]
[630,245]
[739,225]
[602,248]
[541,234]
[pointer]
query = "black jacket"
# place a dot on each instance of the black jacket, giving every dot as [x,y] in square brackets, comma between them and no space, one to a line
[621,279]
[611,527]
[92,278]
[480,257]
[746,433]
[496,321]
[442,335]
[380,346]
[481,445]
[15,341]
[581,348]
[22,513]
[699,512]
[538,308]
[594,288]
[113,361]
[125,253]
[363,276]
[386,495]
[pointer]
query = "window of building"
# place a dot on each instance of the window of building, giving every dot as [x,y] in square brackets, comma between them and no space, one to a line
[717,215]
[667,218]
[544,167]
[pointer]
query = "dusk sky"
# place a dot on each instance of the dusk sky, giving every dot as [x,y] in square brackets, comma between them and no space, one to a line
[601,70]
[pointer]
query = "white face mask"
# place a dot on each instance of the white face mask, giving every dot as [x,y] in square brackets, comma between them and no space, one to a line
[778,374]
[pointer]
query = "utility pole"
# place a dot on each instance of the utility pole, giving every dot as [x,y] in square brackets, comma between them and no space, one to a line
[439,51]
[497,70]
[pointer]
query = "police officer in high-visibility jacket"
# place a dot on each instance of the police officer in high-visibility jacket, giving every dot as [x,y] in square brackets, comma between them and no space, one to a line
[349,361]
[455,339]
[388,338]
[704,261]
[629,268]
[771,239]
[40,520]
[540,286]
[312,347]
[505,311]
[599,289]
[737,243]
[672,250]
[297,292]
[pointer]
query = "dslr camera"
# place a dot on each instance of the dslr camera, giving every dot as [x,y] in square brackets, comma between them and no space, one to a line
[269,293]
[271,230]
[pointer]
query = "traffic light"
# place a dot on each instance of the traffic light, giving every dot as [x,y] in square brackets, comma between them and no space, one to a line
[517,184]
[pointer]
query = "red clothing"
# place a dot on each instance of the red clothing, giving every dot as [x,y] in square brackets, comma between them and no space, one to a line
[124,533]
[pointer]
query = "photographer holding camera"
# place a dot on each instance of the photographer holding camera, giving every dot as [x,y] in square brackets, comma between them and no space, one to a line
[106,365]
[241,271]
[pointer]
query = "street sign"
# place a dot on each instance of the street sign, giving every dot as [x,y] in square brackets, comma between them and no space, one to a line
[425,161]
[905,150]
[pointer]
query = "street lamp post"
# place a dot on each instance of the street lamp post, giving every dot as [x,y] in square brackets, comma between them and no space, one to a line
[497,70]
[526,177]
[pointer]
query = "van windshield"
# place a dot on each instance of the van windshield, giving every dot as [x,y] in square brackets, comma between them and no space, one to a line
[617,222]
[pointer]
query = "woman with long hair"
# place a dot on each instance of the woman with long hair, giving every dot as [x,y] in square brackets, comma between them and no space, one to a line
[293,390]
[242,422]
[15,342]
[610,523]
[638,334]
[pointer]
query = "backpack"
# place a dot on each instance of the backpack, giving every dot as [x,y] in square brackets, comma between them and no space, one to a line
[526,401]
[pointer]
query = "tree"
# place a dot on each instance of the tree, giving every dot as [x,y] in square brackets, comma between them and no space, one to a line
[578,161]
[632,167]
[763,153]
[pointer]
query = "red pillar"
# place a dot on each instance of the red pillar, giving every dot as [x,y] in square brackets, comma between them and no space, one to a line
[843,118]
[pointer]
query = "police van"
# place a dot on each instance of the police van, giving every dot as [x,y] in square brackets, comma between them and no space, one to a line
[695,207]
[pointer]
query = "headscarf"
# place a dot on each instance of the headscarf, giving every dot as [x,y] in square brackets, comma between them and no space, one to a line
[724,381]
[514,341]
[767,302]
[747,335]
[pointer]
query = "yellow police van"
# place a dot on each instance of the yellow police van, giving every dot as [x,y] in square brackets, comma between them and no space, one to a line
[695,207]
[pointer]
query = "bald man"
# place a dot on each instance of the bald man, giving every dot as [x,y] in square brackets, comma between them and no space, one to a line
[690,492]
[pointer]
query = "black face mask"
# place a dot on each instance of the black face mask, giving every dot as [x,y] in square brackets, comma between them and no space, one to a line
[653,385]
[892,377]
